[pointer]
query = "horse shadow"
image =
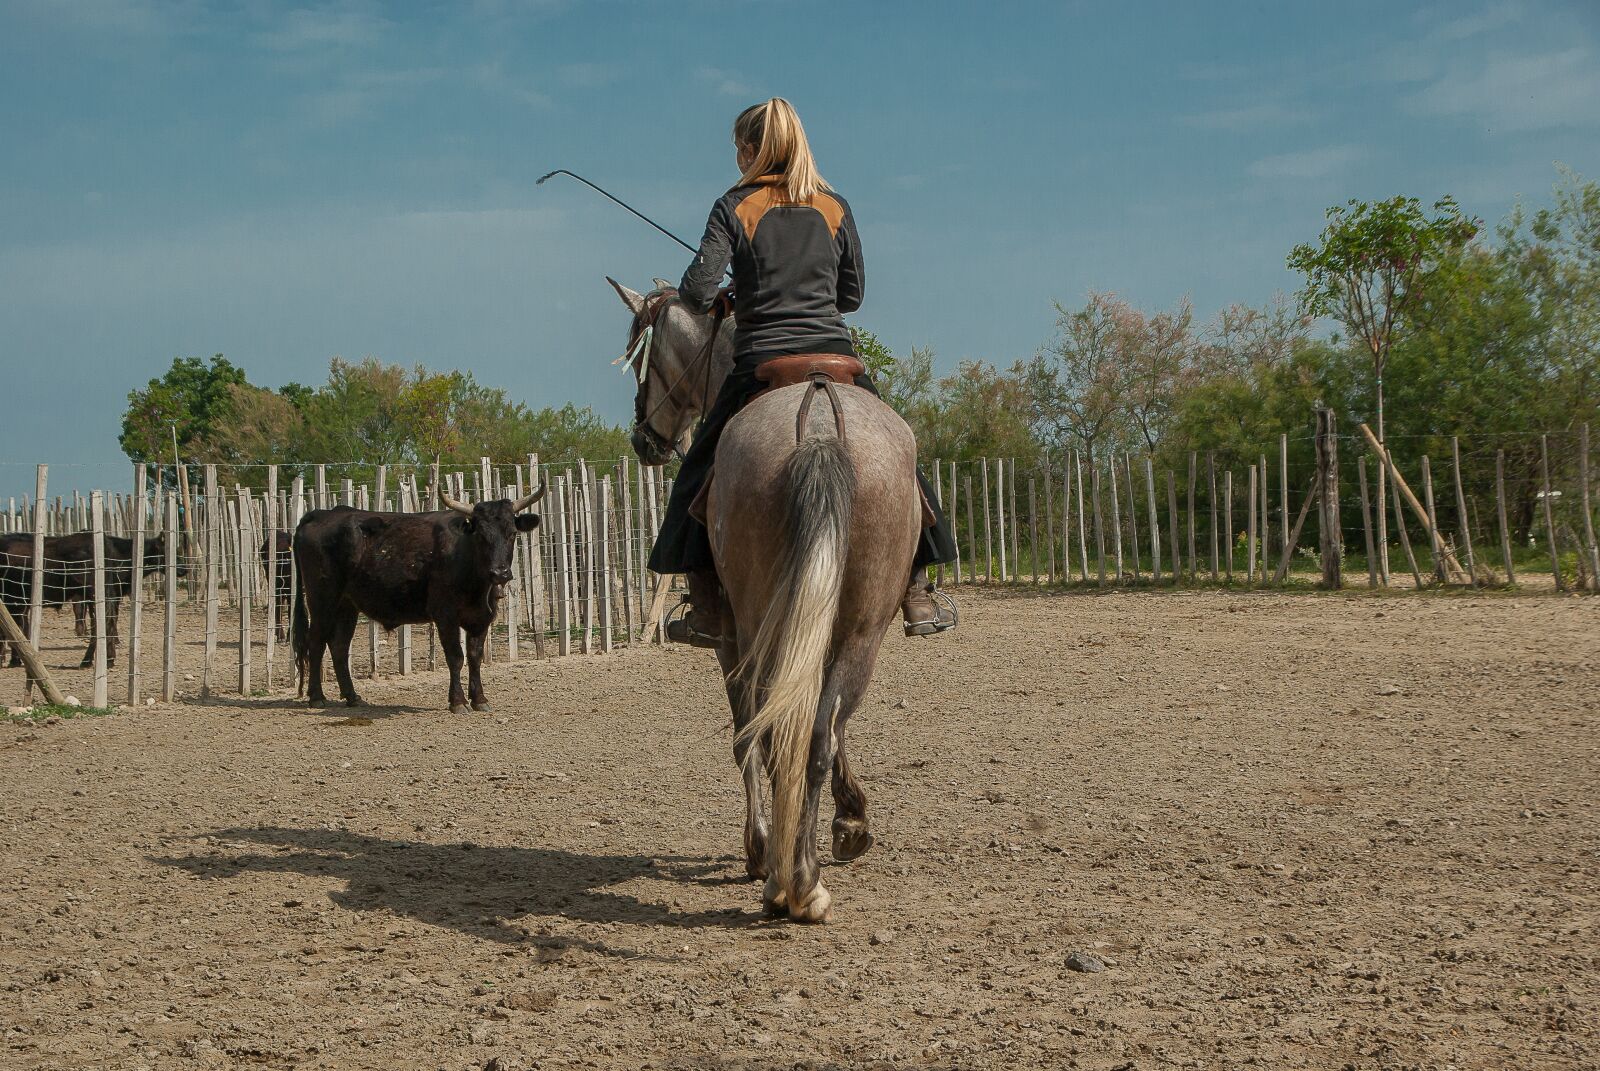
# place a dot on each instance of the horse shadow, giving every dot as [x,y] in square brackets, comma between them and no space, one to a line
[492,893]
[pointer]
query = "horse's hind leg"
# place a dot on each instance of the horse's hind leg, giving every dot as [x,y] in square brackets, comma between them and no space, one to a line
[747,754]
[851,835]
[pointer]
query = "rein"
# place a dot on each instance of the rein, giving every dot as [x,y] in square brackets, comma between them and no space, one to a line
[651,313]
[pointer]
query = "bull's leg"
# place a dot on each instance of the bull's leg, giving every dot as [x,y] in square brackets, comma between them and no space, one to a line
[80,619]
[474,675]
[450,640]
[851,835]
[316,643]
[344,630]
[747,754]
[113,611]
[88,655]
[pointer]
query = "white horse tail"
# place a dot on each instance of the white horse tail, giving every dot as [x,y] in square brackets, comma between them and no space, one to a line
[786,660]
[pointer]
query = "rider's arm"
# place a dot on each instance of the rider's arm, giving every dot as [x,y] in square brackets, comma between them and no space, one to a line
[704,277]
[852,276]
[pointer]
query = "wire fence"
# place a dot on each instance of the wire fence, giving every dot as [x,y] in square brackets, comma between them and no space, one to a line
[217,574]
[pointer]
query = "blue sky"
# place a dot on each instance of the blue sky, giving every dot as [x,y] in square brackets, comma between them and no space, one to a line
[285,184]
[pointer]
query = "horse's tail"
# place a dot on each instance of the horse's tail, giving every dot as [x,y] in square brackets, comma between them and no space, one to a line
[785,661]
[299,635]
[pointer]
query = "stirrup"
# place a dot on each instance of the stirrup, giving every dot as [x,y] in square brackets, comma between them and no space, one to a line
[678,629]
[941,622]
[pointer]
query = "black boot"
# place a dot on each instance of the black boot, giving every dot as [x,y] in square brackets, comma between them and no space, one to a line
[923,613]
[702,625]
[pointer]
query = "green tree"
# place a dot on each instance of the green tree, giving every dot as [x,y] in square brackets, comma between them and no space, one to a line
[186,401]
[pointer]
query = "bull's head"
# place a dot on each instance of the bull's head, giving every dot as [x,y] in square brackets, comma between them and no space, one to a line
[155,557]
[494,527]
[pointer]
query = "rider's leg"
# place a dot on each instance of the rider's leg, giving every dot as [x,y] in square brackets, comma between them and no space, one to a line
[703,625]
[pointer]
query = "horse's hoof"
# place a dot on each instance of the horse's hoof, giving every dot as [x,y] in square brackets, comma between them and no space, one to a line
[354,701]
[458,708]
[774,901]
[483,707]
[316,702]
[850,841]
[756,871]
[818,906]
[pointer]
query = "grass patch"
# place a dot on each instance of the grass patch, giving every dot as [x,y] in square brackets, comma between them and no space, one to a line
[39,713]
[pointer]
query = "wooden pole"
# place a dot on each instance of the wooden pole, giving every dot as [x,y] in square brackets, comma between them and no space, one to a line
[1155,523]
[1033,532]
[1099,524]
[136,587]
[1250,527]
[1266,522]
[1403,490]
[1133,510]
[1549,512]
[1016,521]
[563,566]
[1174,526]
[37,674]
[954,513]
[97,528]
[169,612]
[1211,496]
[1327,448]
[1116,515]
[1434,538]
[1294,534]
[36,590]
[1588,511]
[271,520]
[1050,520]
[1083,537]
[246,575]
[603,553]
[1461,510]
[1366,524]
[1400,526]
[1227,513]
[988,530]
[213,513]
[972,532]
[625,535]
[1194,560]
[1005,561]
[1283,500]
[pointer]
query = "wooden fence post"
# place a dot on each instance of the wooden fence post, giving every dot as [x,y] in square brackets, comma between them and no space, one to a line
[246,576]
[1461,510]
[169,612]
[1327,448]
[954,513]
[1007,562]
[1083,537]
[1133,510]
[988,527]
[1174,526]
[1266,522]
[97,528]
[1366,523]
[972,532]
[1033,532]
[37,673]
[36,587]
[1549,511]
[1283,499]
[1155,523]
[1250,528]
[1294,534]
[1050,520]
[207,682]
[136,586]
[1194,561]
[1436,541]
[1099,524]
[1227,514]
[1588,511]
[1400,522]
[1116,515]
[1211,495]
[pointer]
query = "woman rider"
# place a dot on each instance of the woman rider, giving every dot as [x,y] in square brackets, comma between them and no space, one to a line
[796,267]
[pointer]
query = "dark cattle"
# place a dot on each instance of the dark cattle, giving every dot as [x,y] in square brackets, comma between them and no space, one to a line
[282,587]
[69,579]
[446,568]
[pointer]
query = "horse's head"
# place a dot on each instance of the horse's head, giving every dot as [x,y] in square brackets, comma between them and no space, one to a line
[675,378]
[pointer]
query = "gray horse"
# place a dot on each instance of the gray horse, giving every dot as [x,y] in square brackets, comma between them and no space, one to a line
[814,524]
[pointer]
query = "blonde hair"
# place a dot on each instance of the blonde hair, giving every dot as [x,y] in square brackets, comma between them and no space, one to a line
[773,130]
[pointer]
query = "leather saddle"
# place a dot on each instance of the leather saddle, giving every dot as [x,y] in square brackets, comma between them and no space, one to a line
[801,367]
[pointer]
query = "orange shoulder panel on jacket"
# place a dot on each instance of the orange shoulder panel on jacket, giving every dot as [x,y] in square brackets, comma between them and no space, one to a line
[831,210]
[752,208]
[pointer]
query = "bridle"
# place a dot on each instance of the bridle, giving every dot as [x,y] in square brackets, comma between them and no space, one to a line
[640,344]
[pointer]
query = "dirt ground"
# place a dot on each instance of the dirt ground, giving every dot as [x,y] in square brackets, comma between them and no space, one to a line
[1297,831]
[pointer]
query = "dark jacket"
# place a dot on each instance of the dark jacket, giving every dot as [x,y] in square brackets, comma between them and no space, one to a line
[796,270]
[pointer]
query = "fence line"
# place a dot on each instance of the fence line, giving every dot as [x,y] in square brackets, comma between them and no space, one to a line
[580,580]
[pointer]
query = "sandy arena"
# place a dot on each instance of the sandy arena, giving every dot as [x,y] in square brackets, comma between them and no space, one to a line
[1296,831]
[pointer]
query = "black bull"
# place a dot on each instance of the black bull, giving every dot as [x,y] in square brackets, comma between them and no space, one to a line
[283,582]
[69,578]
[446,568]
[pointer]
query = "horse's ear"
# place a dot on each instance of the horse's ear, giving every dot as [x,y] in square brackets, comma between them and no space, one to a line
[630,298]
[661,284]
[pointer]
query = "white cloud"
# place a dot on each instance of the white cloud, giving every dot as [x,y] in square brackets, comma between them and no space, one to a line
[1309,164]
[1508,93]
[726,83]
[308,28]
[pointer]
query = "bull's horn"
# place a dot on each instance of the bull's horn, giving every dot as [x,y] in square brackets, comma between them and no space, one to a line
[523,503]
[451,503]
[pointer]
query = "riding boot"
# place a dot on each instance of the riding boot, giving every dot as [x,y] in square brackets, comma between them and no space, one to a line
[925,614]
[702,625]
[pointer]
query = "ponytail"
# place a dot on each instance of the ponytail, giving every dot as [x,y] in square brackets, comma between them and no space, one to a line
[773,129]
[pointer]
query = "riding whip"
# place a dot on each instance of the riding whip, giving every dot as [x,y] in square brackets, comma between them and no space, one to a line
[620,201]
